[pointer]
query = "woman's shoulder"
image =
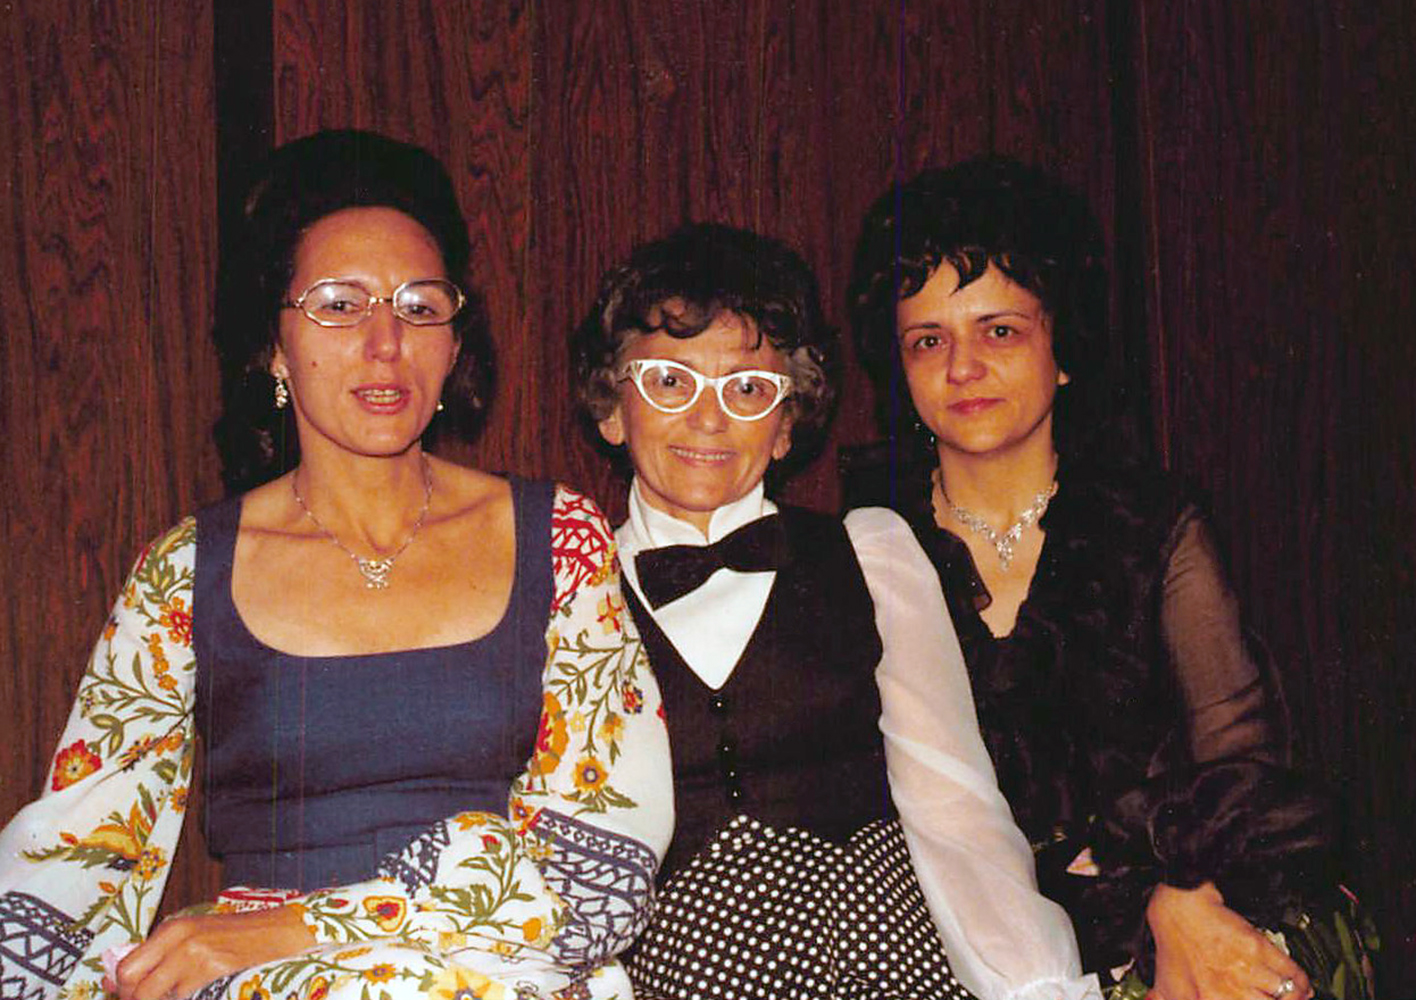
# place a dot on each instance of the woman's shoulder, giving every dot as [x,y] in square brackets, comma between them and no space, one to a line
[176,544]
[1121,499]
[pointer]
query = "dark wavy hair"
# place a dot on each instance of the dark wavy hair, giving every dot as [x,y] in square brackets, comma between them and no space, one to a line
[305,181]
[713,269]
[987,211]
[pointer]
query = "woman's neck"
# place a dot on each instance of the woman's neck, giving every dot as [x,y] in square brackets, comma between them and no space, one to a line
[368,502]
[998,486]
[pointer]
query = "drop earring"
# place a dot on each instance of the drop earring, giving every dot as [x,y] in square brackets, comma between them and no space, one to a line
[282,393]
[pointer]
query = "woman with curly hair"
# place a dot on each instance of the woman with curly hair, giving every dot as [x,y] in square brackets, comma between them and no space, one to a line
[1134,730]
[836,812]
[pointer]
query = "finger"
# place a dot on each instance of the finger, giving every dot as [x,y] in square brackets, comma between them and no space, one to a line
[159,984]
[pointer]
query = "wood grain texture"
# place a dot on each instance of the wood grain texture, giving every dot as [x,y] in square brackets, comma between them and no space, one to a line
[104,284]
[1278,231]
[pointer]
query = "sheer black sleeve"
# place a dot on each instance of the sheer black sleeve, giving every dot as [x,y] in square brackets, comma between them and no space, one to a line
[1225,807]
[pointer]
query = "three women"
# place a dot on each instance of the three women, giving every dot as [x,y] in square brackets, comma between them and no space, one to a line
[334,608]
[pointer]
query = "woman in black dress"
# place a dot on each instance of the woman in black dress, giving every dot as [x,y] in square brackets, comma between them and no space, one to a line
[1134,730]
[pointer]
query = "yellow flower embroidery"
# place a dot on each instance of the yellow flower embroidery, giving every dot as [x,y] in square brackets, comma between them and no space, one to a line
[469,820]
[590,775]
[612,728]
[451,940]
[608,613]
[380,973]
[150,862]
[388,911]
[457,983]
[253,989]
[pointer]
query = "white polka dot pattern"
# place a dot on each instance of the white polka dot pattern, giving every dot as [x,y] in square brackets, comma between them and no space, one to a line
[765,913]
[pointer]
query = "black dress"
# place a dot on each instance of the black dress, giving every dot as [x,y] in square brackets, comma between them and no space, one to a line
[1127,714]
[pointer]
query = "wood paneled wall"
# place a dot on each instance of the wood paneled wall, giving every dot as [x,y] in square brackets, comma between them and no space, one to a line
[1251,163]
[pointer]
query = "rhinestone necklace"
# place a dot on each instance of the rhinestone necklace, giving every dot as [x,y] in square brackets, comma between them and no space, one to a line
[374,571]
[1005,540]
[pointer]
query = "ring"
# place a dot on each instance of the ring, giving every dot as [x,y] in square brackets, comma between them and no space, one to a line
[1283,988]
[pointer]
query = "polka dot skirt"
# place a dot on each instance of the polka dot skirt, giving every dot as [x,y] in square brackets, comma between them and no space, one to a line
[764,913]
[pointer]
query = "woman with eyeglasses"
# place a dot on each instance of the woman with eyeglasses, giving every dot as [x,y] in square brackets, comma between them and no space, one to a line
[785,643]
[433,758]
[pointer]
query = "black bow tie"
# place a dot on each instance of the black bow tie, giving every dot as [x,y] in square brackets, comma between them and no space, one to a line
[667,573]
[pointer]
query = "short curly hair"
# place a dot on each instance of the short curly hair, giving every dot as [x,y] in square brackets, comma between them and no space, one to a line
[981,212]
[303,182]
[712,269]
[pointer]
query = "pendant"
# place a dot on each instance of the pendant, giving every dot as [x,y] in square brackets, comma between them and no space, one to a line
[375,572]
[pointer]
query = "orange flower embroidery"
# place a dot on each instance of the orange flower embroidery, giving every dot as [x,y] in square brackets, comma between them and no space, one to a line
[253,989]
[612,728]
[523,814]
[388,911]
[73,763]
[380,973]
[469,820]
[178,621]
[551,737]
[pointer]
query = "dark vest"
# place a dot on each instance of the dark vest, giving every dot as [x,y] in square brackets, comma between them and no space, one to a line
[793,737]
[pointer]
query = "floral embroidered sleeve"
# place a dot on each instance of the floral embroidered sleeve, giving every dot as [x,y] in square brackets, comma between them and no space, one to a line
[563,880]
[83,867]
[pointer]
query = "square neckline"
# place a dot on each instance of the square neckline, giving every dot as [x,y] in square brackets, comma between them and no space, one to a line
[503,623]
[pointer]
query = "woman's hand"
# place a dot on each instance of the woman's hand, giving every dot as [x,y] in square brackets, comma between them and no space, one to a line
[1206,951]
[185,953]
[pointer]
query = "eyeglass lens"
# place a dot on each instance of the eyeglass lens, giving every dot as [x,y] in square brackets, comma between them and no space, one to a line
[346,303]
[745,394]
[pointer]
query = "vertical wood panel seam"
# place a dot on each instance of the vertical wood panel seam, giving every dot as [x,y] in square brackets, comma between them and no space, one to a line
[1161,374]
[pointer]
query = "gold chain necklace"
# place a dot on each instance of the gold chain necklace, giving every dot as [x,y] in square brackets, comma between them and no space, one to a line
[1003,541]
[374,571]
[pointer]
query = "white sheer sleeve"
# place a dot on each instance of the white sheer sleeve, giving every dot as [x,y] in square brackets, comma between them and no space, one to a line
[1005,940]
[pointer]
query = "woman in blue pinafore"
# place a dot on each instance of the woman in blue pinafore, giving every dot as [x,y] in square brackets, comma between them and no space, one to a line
[434,758]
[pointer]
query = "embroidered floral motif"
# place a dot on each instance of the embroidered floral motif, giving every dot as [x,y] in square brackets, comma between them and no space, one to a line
[474,887]
[590,775]
[457,983]
[551,737]
[177,620]
[74,763]
[610,609]
[388,911]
